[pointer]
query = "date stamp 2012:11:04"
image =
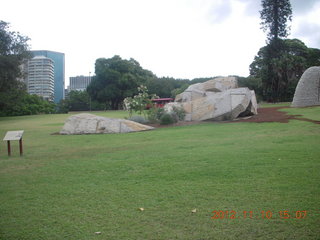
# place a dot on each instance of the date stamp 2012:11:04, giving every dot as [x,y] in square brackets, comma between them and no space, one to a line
[219,214]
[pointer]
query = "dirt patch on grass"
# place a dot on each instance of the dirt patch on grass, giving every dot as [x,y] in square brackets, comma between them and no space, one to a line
[271,114]
[274,115]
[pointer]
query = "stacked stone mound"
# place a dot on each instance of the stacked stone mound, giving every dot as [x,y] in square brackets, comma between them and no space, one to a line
[218,99]
[308,89]
[85,123]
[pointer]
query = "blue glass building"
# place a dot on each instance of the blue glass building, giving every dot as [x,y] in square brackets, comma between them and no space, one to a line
[58,59]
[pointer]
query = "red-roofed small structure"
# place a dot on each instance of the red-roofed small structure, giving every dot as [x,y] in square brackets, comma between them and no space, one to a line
[160,102]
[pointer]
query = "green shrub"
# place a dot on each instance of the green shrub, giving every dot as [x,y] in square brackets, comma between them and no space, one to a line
[156,115]
[19,103]
[168,118]
[63,106]
[151,114]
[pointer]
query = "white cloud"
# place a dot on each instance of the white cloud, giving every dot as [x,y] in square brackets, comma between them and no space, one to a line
[219,11]
[303,7]
[306,26]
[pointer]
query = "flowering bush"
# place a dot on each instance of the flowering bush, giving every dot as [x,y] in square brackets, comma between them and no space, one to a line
[139,102]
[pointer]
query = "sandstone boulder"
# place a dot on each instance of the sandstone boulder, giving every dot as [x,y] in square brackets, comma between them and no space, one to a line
[308,89]
[198,90]
[217,99]
[218,84]
[85,123]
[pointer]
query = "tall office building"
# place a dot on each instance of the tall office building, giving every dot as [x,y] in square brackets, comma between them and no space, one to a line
[79,83]
[59,71]
[40,77]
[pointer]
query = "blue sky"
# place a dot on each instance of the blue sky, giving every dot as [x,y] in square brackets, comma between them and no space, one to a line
[176,38]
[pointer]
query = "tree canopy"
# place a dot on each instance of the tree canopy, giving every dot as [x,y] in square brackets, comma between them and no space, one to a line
[166,86]
[78,101]
[294,58]
[13,51]
[274,17]
[116,79]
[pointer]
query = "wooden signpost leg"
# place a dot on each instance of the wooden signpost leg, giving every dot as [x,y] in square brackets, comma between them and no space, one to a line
[9,148]
[14,136]
[21,148]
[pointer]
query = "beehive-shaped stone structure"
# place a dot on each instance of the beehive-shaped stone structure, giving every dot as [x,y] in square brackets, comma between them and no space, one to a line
[308,89]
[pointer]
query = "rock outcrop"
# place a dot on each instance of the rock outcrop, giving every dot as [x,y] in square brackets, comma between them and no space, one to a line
[85,123]
[217,99]
[308,89]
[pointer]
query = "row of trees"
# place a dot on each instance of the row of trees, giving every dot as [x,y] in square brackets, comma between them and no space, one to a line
[79,101]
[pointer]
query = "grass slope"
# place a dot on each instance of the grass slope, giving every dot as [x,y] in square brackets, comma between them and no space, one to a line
[69,187]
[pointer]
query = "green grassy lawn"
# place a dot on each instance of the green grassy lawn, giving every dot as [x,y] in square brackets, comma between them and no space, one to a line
[69,187]
[307,112]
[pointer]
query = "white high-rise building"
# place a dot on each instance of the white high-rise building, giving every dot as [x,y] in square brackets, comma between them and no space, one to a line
[58,59]
[40,78]
[79,83]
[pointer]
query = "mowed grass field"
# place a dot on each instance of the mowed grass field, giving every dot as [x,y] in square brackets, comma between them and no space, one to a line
[70,187]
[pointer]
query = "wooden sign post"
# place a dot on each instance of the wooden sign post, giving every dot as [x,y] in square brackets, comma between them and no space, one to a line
[14,136]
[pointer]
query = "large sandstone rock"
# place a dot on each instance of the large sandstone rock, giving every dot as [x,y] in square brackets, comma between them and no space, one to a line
[217,99]
[198,90]
[85,123]
[308,89]
[218,84]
